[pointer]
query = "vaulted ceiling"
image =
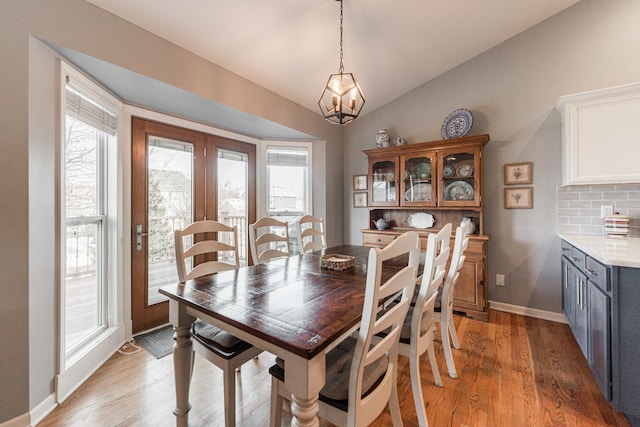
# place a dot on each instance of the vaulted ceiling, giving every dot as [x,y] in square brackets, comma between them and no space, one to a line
[291,46]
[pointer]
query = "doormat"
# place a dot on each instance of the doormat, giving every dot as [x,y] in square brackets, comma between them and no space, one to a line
[158,342]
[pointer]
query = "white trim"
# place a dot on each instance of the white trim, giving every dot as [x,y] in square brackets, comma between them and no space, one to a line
[76,374]
[19,421]
[188,124]
[43,409]
[527,311]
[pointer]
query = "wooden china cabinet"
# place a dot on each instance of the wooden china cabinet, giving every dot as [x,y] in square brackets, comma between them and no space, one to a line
[444,179]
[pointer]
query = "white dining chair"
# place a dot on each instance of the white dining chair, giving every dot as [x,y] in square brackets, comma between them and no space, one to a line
[416,337]
[269,239]
[199,253]
[361,376]
[444,302]
[310,234]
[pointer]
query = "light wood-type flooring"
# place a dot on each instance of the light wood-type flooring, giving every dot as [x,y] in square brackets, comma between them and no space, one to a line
[512,371]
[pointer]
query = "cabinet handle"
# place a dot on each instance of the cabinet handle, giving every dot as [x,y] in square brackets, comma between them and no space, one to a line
[576,259]
[566,249]
[591,272]
[584,304]
[566,278]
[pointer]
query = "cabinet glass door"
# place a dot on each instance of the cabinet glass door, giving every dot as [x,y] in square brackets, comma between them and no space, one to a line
[384,182]
[417,174]
[460,182]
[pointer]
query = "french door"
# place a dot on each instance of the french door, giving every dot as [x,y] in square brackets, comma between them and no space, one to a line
[180,176]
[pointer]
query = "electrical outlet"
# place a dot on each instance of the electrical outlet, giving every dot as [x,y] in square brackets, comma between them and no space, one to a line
[499,279]
[606,210]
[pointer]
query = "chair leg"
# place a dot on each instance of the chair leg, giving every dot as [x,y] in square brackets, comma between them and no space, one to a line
[452,330]
[275,418]
[394,404]
[416,387]
[446,345]
[437,379]
[229,397]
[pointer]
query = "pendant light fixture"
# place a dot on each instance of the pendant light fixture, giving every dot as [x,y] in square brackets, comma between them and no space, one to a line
[341,99]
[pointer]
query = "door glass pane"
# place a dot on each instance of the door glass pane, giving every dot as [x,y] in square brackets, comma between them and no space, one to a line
[417,178]
[458,176]
[170,207]
[233,175]
[384,181]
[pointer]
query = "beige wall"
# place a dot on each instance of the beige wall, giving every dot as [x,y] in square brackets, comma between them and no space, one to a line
[512,90]
[28,294]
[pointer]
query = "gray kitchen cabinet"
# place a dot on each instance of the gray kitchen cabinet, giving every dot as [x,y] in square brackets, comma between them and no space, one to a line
[601,305]
[587,306]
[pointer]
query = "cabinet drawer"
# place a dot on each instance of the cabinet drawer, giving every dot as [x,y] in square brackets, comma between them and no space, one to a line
[598,274]
[578,258]
[377,240]
[475,247]
[566,247]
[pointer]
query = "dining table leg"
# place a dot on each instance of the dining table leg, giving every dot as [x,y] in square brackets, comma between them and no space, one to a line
[304,379]
[182,360]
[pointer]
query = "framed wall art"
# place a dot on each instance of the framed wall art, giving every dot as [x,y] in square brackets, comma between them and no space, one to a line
[360,200]
[518,198]
[359,182]
[518,173]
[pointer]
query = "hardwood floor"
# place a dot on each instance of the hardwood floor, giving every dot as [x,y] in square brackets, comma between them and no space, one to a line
[512,371]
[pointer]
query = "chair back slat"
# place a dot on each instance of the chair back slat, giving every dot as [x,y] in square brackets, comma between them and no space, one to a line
[201,242]
[307,228]
[269,239]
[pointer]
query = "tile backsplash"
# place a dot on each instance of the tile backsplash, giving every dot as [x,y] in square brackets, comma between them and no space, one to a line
[578,207]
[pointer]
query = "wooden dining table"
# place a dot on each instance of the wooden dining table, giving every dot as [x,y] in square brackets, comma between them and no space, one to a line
[290,307]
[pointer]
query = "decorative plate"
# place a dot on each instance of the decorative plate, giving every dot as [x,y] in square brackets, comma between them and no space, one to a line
[448,171]
[421,220]
[423,169]
[459,190]
[457,124]
[418,193]
[465,171]
[389,176]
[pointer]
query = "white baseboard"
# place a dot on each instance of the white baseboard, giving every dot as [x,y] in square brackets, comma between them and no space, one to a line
[43,409]
[526,311]
[20,421]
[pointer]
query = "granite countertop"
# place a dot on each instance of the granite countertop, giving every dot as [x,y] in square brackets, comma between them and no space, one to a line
[618,251]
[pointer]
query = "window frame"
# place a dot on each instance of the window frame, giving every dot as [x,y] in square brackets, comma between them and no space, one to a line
[78,361]
[291,146]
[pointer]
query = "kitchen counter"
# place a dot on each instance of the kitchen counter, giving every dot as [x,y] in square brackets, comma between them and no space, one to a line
[615,251]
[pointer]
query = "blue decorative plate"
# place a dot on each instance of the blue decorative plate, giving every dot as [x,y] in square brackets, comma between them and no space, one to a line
[459,190]
[457,124]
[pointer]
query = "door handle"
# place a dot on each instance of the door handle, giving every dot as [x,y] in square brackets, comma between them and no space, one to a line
[139,236]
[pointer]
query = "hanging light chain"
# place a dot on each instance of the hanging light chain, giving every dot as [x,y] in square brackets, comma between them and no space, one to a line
[341,71]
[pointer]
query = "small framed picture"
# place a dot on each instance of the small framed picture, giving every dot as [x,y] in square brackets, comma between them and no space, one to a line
[518,198]
[518,173]
[360,200]
[359,182]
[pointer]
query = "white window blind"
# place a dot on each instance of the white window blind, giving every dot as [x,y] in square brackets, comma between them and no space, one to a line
[287,157]
[80,107]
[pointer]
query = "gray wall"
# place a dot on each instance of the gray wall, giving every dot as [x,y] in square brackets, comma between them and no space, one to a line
[27,230]
[512,90]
